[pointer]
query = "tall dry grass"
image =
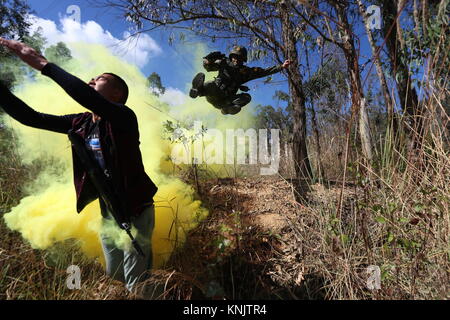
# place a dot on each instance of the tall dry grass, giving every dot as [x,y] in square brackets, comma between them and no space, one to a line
[395,217]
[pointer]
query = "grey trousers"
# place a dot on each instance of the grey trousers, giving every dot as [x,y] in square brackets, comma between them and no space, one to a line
[128,266]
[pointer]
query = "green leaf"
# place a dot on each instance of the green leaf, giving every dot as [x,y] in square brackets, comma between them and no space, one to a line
[390,237]
[380,219]
[376,208]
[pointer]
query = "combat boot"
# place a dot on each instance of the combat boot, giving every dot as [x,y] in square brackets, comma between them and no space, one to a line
[231,110]
[197,85]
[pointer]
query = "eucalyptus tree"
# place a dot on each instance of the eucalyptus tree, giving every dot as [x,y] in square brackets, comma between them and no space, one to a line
[417,45]
[322,17]
[13,17]
[269,28]
[13,23]
[389,103]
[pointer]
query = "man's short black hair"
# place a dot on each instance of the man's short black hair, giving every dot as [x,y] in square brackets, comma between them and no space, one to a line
[121,85]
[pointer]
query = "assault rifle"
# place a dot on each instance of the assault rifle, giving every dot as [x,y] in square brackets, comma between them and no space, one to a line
[215,55]
[209,61]
[104,188]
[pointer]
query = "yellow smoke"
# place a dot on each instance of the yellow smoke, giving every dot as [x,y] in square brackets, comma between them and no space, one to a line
[47,215]
[210,117]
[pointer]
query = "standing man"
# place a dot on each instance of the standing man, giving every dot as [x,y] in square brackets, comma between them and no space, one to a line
[111,138]
[222,91]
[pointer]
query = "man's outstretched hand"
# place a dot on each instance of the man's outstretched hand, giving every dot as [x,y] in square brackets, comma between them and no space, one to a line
[286,64]
[26,53]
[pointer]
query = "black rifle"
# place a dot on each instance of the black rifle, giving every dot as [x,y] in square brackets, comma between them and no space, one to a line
[104,188]
[214,55]
[210,64]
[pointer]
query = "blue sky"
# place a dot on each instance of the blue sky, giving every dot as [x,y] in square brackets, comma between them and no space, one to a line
[174,64]
[170,58]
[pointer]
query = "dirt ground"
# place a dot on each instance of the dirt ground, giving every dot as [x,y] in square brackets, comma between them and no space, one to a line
[245,248]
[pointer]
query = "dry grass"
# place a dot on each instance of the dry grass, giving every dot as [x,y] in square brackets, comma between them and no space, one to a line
[258,243]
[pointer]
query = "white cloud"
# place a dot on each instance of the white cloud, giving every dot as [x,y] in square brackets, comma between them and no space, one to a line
[173,97]
[137,50]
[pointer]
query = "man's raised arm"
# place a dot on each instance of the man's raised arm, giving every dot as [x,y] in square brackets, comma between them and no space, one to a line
[76,88]
[257,72]
[21,112]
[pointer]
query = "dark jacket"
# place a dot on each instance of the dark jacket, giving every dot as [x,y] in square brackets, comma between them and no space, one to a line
[119,138]
[232,76]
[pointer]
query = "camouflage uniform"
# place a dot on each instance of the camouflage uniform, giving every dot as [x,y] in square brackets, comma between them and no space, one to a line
[222,91]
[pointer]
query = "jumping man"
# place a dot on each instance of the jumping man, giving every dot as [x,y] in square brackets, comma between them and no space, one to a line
[222,92]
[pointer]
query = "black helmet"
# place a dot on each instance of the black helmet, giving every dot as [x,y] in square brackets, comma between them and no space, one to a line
[240,52]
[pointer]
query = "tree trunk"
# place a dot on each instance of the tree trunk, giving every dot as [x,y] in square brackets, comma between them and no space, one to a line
[387,98]
[320,168]
[302,166]
[416,18]
[400,5]
[359,106]
[315,127]
[424,16]
[407,93]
